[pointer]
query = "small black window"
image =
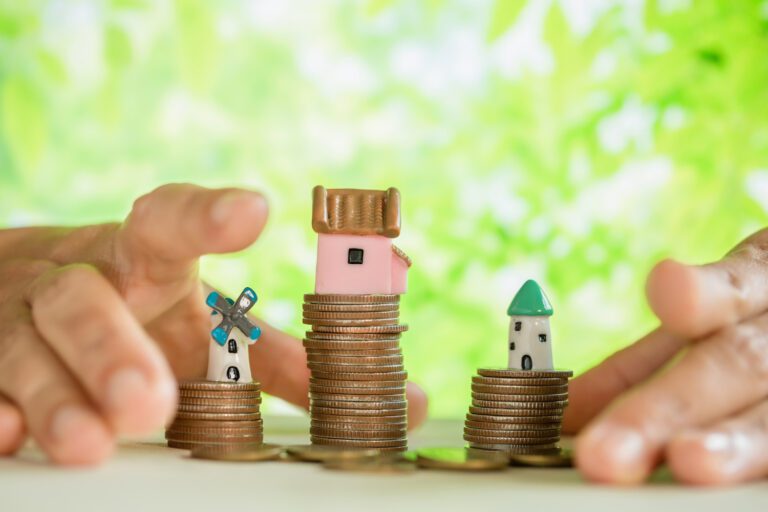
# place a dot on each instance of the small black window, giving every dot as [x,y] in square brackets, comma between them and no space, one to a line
[511,345]
[355,257]
[518,326]
[233,373]
[543,338]
[232,346]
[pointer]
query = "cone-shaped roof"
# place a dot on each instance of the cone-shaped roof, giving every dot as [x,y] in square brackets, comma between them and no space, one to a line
[530,301]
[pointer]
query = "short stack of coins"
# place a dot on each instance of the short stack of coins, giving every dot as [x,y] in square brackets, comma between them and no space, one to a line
[357,384]
[518,411]
[217,415]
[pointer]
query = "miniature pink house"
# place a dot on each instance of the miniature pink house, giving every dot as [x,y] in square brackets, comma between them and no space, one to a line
[355,254]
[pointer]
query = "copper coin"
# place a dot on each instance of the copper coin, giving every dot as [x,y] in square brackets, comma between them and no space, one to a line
[390,376]
[207,385]
[519,390]
[317,411]
[340,404]
[187,395]
[358,425]
[205,416]
[511,381]
[360,443]
[355,383]
[512,449]
[190,445]
[224,431]
[373,329]
[356,360]
[522,374]
[397,397]
[220,401]
[351,315]
[356,368]
[354,353]
[182,423]
[389,307]
[384,391]
[194,438]
[528,420]
[549,406]
[238,454]
[461,459]
[322,298]
[356,420]
[360,336]
[350,345]
[483,425]
[320,453]
[491,440]
[375,465]
[522,437]
[494,397]
[375,323]
[493,411]
[219,408]
[559,459]
[333,433]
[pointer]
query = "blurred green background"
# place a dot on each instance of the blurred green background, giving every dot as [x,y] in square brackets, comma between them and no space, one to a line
[575,142]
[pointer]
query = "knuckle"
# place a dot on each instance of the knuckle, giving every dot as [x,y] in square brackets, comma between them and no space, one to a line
[744,347]
[65,286]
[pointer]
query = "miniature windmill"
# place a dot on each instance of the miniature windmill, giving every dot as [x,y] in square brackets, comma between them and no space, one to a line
[228,355]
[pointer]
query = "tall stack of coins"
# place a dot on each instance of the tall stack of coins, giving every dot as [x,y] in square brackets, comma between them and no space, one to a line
[519,411]
[357,384]
[217,415]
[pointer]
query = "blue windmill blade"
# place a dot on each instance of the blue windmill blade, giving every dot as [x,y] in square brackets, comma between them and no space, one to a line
[245,301]
[218,302]
[248,328]
[221,333]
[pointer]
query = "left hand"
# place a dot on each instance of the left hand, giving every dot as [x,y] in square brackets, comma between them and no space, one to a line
[694,392]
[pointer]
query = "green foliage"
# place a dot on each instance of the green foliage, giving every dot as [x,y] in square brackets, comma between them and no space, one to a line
[573,143]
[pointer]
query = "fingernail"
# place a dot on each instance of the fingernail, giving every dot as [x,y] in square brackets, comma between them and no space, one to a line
[223,209]
[124,385]
[69,421]
[726,449]
[622,452]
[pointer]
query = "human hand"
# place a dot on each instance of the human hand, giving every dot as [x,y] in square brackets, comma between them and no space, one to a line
[694,392]
[97,323]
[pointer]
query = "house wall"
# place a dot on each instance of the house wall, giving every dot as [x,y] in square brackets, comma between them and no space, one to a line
[399,275]
[335,275]
[527,342]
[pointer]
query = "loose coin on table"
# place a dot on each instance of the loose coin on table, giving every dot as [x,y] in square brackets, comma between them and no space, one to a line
[319,453]
[461,459]
[264,452]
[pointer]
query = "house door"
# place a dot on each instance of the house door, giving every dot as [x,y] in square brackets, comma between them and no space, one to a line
[527,362]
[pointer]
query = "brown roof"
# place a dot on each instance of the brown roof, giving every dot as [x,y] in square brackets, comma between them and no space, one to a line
[344,211]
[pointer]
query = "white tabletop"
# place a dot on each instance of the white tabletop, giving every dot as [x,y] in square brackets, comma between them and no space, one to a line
[146,476]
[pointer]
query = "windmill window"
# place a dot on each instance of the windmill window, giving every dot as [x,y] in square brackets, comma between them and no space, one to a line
[543,338]
[511,345]
[232,346]
[518,326]
[355,256]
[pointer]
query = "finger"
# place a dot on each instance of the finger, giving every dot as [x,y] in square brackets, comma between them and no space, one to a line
[593,391]
[56,412]
[181,222]
[87,324]
[733,451]
[279,362]
[715,378]
[12,429]
[418,405]
[695,300]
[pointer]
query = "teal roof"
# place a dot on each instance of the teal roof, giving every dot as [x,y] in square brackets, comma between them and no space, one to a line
[530,301]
